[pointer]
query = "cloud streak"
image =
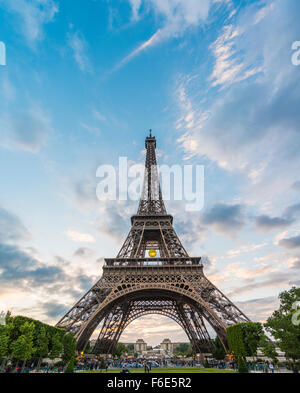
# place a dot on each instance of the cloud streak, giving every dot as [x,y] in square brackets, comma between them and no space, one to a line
[252,125]
[34,14]
[226,219]
[11,227]
[26,130]
[78,45]
[176,17]
[79,237]
[290,243]
[266,223]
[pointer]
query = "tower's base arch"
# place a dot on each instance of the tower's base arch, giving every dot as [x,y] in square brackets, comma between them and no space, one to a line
[181,293]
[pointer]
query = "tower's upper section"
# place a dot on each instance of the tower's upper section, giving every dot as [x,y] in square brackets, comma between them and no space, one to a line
[151,199]
[150,140]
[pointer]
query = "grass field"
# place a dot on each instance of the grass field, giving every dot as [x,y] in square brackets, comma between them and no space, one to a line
[165,371]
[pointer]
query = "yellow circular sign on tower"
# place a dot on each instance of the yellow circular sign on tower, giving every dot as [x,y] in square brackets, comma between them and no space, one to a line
[152,253]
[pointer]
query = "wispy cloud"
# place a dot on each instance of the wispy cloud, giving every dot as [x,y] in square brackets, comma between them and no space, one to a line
[176,17]
[229,67]
[274,279]
[156,38]
[91,129]
[79,45]
[252,125]
[135,6]
[245,249]
[226,219]
[84,252]
[291,243]
[34,14]
[296,186]
[25,130]
[11,227]
[266,223]
[80,237]
[152,329]
[259,309]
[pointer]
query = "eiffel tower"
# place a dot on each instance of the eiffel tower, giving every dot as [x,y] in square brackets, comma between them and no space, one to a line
[133,284]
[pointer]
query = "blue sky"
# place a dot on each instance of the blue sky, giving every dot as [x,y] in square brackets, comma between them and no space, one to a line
[85,80]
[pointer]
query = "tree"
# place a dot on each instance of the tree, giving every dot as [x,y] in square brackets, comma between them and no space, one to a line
[243,340]
[69,349]
[8,318]
[121,349]
[243,369]
[4,340]
[268,348]
[280,325]
[56,346]
[22,348]
[219,351]
[252,332]
[29,338]
[183,349]
[130,347]
[42,345]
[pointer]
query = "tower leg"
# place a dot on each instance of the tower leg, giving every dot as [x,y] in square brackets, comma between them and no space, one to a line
[112,328]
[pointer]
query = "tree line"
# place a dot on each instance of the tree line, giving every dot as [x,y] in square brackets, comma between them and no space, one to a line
[283,325]
[25,340]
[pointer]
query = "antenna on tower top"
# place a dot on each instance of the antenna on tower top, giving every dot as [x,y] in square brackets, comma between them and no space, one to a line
[150,133]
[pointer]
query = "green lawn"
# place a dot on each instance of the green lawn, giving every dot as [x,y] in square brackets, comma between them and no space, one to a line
[164,370]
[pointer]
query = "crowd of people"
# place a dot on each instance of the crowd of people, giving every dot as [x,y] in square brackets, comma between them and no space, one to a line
[269,367]
[149,364]
[125,365]
[49,369]
[162,363]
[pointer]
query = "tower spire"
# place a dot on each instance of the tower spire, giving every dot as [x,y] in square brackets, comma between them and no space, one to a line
[151,200]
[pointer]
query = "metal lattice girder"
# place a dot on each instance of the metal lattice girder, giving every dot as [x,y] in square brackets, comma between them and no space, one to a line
[149,232]
[151,199]
[134,307]
[133,285]
[178,282]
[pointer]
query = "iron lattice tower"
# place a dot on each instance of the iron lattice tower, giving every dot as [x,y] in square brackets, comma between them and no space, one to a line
[133,285]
